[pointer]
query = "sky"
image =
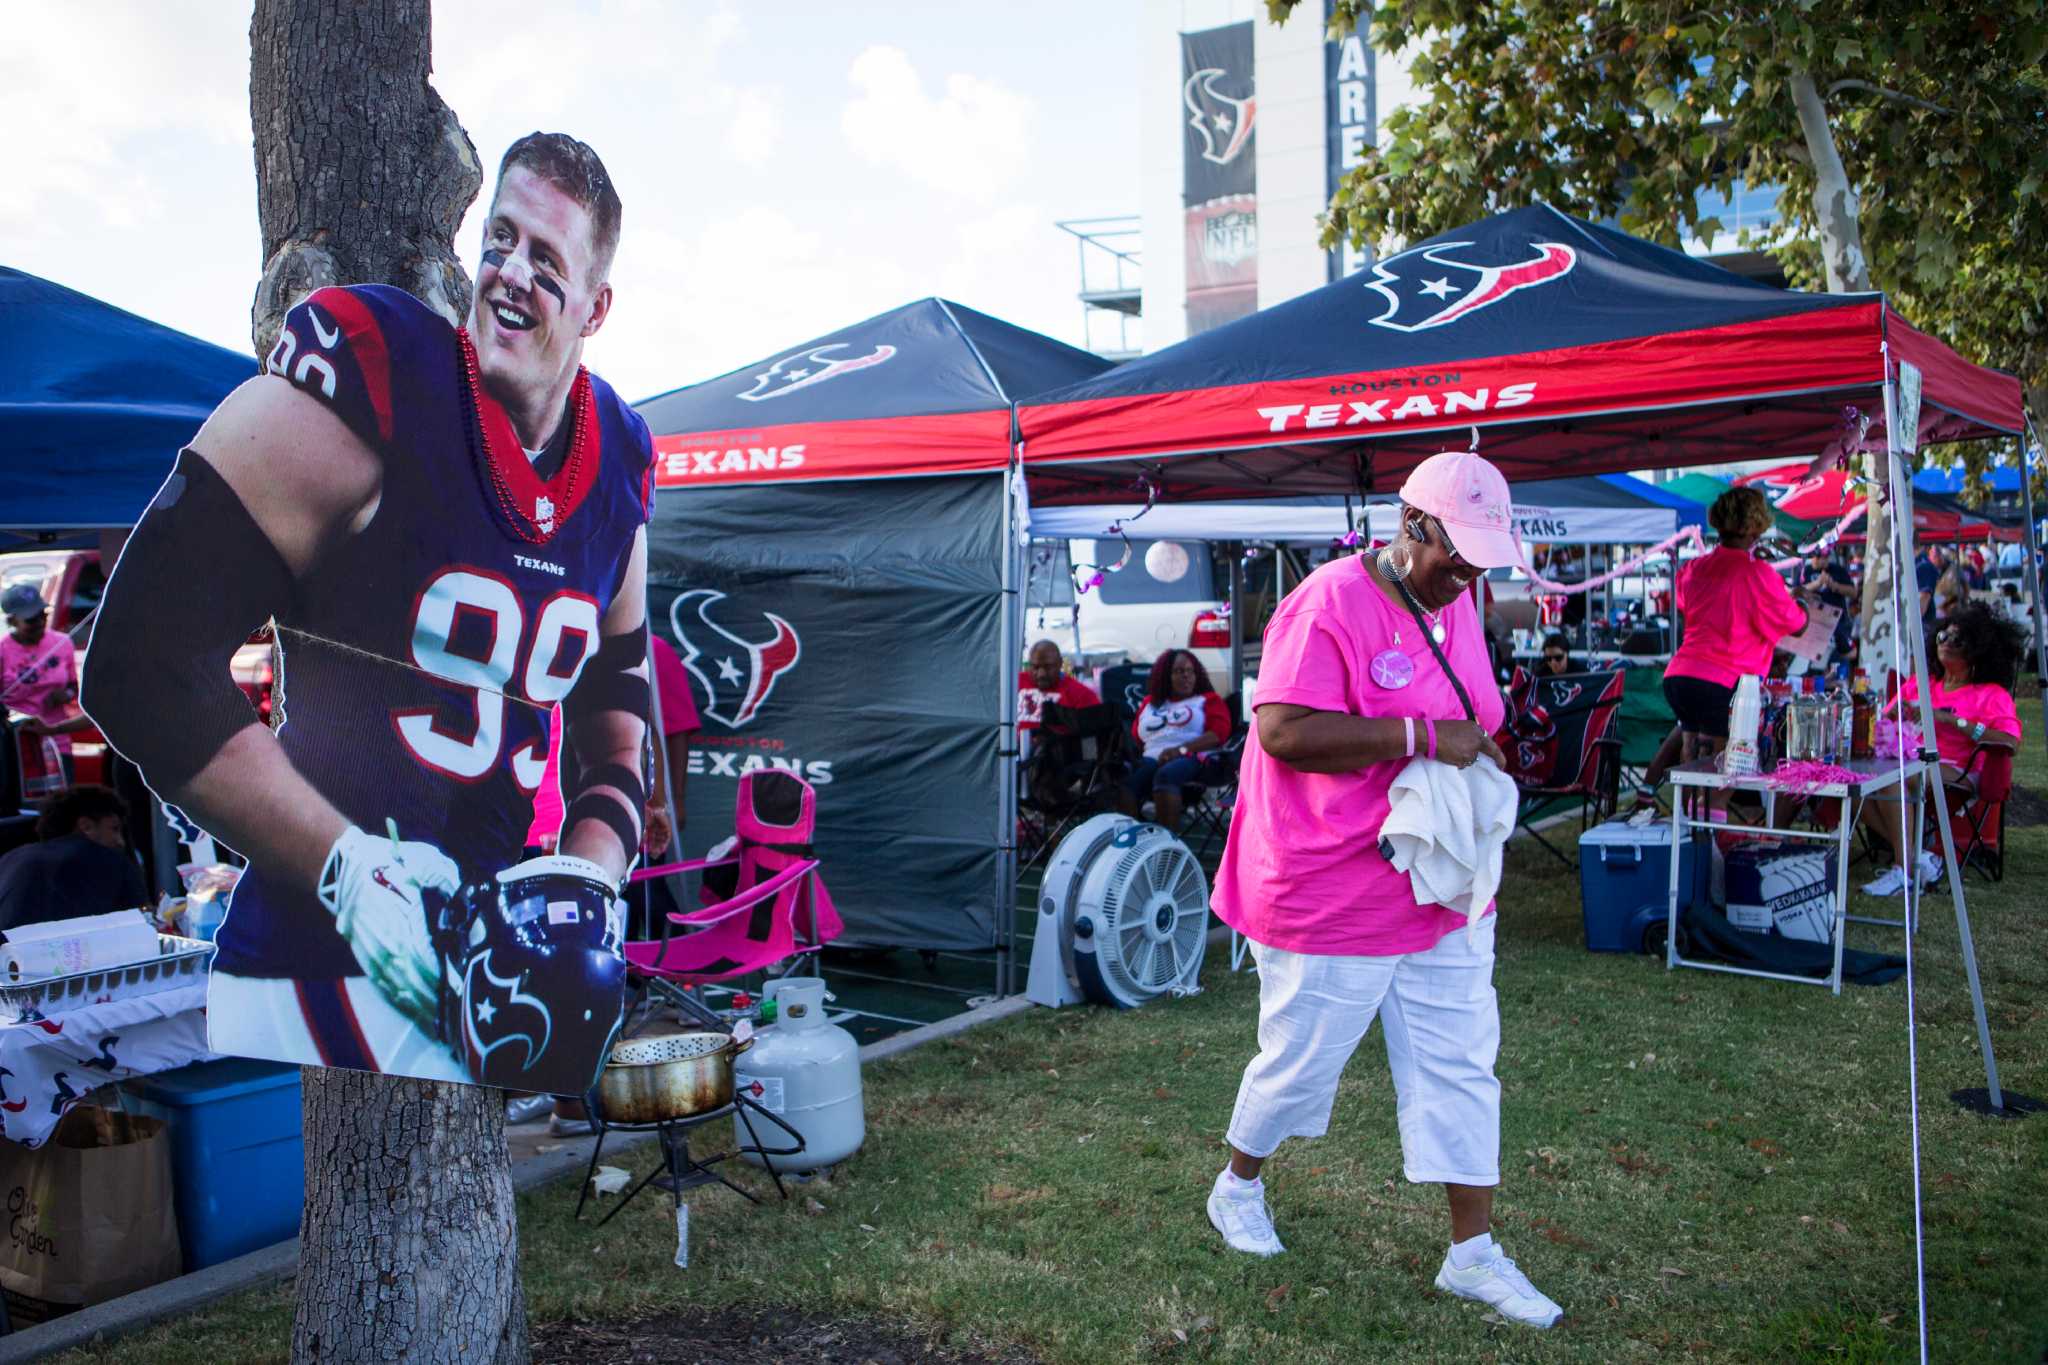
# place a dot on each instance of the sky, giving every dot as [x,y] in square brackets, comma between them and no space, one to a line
[785,170]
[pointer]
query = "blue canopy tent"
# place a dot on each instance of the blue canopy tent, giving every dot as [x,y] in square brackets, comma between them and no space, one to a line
[94,404]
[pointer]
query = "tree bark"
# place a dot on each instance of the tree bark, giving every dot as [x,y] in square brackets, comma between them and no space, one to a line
[1834,198]
[1835,211]
[408,1248]
[362,172]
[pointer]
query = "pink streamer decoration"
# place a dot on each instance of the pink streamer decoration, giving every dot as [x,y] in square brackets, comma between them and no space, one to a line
[1809,775]
[1688,536]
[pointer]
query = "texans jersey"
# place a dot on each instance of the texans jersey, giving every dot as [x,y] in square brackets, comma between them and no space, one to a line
[422,655]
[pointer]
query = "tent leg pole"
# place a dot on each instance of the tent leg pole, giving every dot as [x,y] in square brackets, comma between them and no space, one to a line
[1237,619]
[1011,624]
[1915,629]
[2030,445]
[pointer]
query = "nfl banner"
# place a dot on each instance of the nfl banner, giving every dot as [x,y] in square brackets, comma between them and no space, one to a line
[1350,94]
[848,632]
[1219,175]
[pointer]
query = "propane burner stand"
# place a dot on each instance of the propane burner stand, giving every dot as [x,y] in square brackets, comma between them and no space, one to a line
[681,1170]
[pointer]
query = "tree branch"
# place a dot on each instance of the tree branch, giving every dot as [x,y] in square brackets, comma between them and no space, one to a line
[1839,86]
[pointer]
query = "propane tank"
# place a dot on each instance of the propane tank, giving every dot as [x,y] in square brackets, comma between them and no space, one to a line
[805,1071]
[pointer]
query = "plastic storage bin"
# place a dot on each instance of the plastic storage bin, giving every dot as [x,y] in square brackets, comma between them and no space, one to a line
[1778,886]
[1625,882]
[238,1162]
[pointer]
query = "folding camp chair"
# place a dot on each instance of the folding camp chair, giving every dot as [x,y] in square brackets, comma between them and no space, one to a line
[768,903]
[1076,761]
[1557,743]
[1209,802]
[1977,816]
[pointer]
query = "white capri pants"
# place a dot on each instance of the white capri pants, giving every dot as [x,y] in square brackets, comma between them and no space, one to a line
[1442,1023]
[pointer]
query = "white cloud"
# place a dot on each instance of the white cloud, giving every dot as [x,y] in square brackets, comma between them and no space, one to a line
[756,127]
[971,143]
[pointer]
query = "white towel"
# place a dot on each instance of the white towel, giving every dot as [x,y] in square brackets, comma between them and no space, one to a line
[1446,828]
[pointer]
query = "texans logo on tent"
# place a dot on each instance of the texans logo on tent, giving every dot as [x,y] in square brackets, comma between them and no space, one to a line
[809,367]
[1224,123]
[737,674]
[1434,286]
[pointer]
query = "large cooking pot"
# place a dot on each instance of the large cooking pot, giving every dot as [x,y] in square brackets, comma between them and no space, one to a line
[660,1076]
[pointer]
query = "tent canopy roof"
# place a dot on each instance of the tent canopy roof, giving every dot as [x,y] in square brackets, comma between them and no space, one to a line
[94,405]
[1568,345]
[922,389]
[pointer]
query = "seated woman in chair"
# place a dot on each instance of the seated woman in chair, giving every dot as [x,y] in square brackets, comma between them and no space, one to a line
[1978,655]
[1182,718]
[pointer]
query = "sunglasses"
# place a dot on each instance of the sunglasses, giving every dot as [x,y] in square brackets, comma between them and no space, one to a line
[1457,560]
[1555,658]
[1951,636]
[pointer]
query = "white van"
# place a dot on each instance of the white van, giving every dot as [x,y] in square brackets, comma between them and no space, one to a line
[1137,615]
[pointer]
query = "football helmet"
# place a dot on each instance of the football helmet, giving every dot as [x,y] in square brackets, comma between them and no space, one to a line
[532,974]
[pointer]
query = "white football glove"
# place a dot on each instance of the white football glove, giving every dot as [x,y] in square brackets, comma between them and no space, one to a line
[373,887]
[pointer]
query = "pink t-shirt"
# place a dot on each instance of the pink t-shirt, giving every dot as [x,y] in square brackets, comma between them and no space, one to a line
[678,716]
[1734,609]
[31,676]
[1987,702]
[1302,870]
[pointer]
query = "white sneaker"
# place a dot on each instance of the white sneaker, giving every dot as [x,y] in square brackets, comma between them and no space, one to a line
[1891,883]
[1930,867]
[1239,1213]
[1499,1282]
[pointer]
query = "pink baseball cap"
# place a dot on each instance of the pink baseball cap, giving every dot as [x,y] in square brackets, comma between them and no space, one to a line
[1469,496]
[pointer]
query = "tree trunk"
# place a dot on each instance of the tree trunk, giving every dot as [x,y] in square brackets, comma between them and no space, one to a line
[1834,198]
[362,172]
[1835,211]
[408,1248]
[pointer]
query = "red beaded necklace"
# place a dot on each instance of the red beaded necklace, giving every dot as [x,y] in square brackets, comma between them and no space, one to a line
[496,447]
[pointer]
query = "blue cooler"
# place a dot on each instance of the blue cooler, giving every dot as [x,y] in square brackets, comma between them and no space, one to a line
[1625,882]
[238,1162]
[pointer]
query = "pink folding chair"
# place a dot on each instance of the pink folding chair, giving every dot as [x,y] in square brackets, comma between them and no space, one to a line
[765,901]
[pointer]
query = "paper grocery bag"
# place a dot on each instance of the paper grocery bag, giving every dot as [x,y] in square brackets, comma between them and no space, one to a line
[89,1213]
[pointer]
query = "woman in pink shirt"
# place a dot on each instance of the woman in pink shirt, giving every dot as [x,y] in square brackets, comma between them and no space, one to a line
[1735,609]
[1978,656]
[1370,662]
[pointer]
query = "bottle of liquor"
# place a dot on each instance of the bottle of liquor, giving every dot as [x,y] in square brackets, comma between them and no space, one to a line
[1863,735]
[1842,706]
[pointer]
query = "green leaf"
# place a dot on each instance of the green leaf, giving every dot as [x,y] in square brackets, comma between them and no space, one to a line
[1848,50]
[1661,100]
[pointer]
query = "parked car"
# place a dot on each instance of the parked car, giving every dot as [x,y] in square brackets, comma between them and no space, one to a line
[1135,614]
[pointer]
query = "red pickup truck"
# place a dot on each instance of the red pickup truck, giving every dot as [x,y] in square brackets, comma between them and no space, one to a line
[71,581]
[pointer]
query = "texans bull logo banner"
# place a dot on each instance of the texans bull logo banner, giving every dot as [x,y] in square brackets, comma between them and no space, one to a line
[848,633]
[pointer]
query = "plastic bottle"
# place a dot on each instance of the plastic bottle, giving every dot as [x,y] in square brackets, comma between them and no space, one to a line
[1745,712]
[1863,741]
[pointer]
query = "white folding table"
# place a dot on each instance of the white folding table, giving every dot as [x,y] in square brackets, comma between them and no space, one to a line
[1874,776]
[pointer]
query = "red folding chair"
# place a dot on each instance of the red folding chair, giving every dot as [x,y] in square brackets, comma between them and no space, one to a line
[1557,742]
[766,903]
[1976,819]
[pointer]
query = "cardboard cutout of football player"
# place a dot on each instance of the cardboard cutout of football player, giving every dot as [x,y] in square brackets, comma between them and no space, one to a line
[448,526]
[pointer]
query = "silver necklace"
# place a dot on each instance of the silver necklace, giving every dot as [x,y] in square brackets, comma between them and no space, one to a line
[1395,571]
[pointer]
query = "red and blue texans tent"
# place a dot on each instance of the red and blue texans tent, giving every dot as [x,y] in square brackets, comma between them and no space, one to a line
[923,389]
[832,555]
[1572,347]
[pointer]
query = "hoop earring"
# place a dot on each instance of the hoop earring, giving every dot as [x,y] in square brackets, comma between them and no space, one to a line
[1396,563]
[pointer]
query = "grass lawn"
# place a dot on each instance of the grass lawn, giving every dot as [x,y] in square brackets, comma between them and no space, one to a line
[1694,1164]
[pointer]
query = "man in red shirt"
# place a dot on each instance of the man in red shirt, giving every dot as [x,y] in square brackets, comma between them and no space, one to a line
[1043,679]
